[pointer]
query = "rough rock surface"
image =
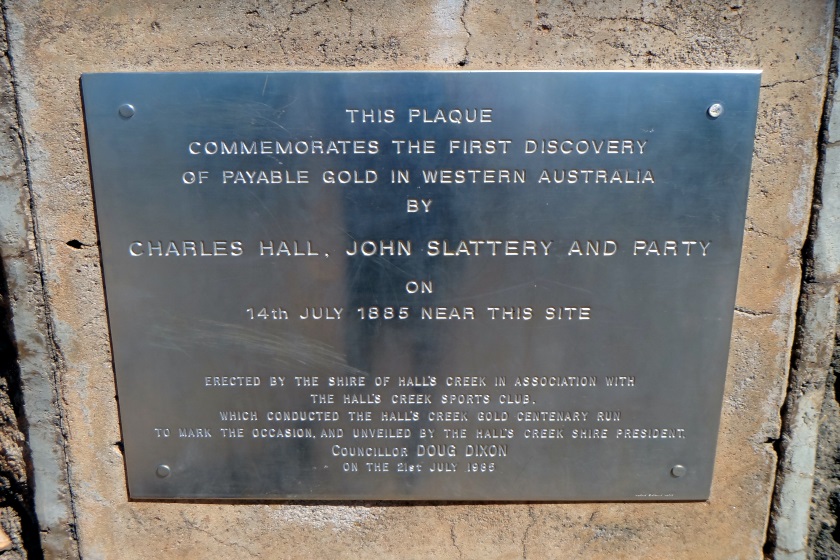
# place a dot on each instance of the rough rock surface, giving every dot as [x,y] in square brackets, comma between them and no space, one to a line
[54,41]
[824,538]
[14,491]
[18,530]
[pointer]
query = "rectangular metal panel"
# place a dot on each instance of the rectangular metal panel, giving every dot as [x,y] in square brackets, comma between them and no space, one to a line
[421,285]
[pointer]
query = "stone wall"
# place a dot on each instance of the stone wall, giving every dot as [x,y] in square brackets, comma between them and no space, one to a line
[18,526]
[822,269]
[824,533]
[70,397]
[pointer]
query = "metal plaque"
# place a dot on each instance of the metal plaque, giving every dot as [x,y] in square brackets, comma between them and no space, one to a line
[421,285]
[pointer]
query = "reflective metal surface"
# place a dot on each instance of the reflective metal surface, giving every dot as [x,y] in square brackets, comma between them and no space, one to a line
[436,286]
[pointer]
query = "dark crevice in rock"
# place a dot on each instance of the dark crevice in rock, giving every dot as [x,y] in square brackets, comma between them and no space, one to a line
[466,60]
[768,549]
[776,443]
[836,391]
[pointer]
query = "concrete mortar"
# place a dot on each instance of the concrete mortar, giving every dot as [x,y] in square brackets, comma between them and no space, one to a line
[53,42]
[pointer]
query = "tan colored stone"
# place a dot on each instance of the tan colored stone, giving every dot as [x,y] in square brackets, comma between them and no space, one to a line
[5,541]
[54,41]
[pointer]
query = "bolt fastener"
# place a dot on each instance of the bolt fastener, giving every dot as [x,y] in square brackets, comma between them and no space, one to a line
[715,110]
[677,471]
[163,471]
[126,111]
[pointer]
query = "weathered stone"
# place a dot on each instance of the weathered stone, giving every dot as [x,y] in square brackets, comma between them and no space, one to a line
[824,530]
[815,344]
[802,487]
[26,364]
[15,493]
[827,234]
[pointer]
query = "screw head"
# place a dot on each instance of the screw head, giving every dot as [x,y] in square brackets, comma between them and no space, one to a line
[163,471]
[126,110]
[715,110]
[677,471]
